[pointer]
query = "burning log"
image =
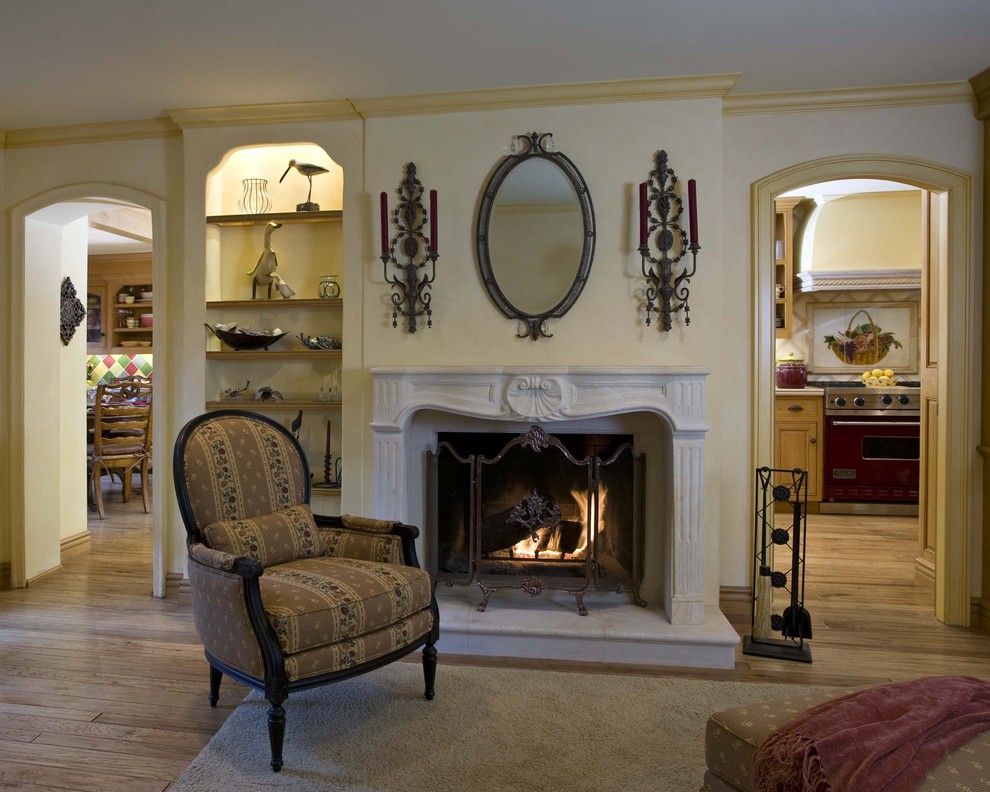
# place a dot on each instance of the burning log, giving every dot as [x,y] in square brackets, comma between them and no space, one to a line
[523,521]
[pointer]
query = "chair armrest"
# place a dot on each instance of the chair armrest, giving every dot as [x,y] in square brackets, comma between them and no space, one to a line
[406,533]
[224,562]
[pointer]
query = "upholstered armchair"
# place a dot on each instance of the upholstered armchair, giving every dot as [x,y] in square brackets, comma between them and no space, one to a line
[285,600]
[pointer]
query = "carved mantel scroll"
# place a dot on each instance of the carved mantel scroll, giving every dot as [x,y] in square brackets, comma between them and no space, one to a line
[676,396]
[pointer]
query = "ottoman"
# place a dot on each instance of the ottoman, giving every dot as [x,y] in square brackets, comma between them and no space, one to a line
[733,735]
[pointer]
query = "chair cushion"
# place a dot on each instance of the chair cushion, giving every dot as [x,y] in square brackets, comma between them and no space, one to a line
[284,535]
[355,651]
[317,601]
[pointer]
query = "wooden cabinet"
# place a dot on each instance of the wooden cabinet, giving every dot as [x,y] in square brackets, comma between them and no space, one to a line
[112,279]
[798,437]
[783,235]
[308,247]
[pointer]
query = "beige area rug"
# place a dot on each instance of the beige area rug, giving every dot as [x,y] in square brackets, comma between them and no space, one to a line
[487,730]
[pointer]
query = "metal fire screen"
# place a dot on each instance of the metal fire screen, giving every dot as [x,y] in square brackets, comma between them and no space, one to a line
[531,514]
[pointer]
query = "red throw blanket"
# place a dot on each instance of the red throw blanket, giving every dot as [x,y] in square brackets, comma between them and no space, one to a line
[884,739]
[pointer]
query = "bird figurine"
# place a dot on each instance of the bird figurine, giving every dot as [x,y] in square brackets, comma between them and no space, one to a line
[296,424]
[264,273]
[308,170]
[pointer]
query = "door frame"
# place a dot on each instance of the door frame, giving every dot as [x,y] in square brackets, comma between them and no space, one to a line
[955,459]
[17,353]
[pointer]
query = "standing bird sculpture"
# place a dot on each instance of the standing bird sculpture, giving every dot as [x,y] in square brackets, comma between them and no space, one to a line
[264,273]
[296,425]
[308,170]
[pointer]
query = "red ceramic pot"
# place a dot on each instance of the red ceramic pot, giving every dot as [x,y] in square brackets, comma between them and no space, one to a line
[792,373]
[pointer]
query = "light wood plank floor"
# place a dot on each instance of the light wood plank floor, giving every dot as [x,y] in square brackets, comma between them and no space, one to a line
[104,687]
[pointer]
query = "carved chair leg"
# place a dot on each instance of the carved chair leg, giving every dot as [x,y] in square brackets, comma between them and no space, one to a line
[98,490]
[276,734]
[430,668]
[144,486]
[215,677]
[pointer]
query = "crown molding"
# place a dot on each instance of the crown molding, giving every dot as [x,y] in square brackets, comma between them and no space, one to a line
[849,98]
[277,113]
[91,133]
[818,280]
[981,89]
[654,89]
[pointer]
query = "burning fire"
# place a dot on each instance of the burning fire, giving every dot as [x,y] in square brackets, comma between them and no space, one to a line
[551,538]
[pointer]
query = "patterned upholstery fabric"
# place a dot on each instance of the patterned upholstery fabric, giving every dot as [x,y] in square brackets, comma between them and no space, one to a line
[213,558]
[345,654]
[366,523]
[222,485]
[221,618]
[315,601]
[270,539]
[342,543]
[732,737]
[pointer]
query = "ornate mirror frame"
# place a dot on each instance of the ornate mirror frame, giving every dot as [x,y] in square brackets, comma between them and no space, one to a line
[535,146]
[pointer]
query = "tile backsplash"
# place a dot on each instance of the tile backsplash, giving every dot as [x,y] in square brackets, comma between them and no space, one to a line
[103,368]
[800,340]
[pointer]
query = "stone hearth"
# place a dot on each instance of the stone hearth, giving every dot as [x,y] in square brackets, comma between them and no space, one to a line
[665,411]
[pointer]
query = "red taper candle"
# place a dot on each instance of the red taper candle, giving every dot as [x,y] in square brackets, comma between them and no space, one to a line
[329,433]
[433,220]
[693,210]
[384,201]
[643,213]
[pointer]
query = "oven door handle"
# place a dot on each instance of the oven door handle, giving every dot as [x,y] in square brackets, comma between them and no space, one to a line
[875,423]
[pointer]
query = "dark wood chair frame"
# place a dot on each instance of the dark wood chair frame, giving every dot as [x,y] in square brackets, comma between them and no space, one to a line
[275,684]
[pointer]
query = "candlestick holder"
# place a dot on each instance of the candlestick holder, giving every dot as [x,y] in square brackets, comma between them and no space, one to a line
[411,287]
[661,209]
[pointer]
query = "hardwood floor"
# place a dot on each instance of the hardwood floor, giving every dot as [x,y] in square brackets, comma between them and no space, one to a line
[104,687]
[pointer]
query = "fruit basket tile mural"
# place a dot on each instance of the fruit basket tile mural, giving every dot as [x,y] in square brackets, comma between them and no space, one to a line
[103,368]
[851,337]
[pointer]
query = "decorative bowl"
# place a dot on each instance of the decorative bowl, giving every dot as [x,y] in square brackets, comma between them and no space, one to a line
[319,342]
[239,340]
[147,295]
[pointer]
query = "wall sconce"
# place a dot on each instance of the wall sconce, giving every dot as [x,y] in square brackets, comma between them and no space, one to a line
[660,211]
[411,295]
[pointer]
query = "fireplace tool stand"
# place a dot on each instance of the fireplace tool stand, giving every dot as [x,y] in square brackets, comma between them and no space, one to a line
[785,573]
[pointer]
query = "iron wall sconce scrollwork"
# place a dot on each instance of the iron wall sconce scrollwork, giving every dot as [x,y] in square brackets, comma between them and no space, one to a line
[411,288]
[660,212]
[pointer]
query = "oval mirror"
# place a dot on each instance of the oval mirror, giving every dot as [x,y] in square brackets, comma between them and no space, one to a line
[535,235]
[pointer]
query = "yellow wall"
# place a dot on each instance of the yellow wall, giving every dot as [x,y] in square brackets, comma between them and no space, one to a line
[612,144]
[866,231]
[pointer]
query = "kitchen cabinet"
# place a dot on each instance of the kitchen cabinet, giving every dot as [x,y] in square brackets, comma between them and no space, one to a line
[798,438]
[784,271]
[308,248]
[112,280]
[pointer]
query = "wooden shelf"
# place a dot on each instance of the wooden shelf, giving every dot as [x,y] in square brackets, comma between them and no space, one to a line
[314,302]
[326,492]
[261,354]
[285,404]
[329,216]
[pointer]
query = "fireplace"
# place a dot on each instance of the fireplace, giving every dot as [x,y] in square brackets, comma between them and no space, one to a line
[662,410]
[536,512]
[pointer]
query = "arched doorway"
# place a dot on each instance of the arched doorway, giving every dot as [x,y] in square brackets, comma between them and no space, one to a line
[954,460]
[38,492]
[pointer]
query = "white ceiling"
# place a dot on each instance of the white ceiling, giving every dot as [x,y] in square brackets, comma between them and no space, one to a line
[70,62]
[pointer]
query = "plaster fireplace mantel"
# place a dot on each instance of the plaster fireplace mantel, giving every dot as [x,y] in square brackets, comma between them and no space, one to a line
[410,405]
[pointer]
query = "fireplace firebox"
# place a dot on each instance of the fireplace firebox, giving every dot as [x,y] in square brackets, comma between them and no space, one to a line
[536,512]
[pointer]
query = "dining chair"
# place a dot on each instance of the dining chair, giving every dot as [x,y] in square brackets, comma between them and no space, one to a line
[121,438]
